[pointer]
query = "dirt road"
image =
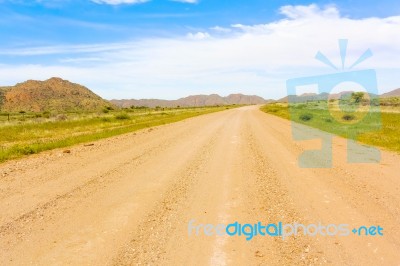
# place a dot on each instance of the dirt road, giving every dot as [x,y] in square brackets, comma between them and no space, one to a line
[128,200]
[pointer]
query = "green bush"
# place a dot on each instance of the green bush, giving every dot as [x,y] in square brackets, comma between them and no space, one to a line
[122,116]
[348,117]
[26,150]
[306,117]
[46,114]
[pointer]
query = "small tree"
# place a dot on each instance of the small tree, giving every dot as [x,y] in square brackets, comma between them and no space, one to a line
[357,96]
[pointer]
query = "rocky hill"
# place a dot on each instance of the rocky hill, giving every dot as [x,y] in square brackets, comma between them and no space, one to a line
[194,100]
[54,94]
[393,93]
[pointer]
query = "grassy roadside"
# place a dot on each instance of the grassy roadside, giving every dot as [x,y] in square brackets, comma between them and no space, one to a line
[369,131]
[32,134]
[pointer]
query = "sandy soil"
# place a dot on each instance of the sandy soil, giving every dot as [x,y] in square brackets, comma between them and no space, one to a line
[128,200]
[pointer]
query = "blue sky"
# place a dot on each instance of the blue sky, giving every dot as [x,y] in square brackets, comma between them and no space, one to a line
[82,40]
[84,21]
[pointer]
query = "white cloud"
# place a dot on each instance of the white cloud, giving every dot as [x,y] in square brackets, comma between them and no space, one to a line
[119,2]
[254,59]
[198,35]
[187,1]
[221,29]
[309,12]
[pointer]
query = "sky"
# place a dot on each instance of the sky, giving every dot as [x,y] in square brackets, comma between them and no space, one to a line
[168,49]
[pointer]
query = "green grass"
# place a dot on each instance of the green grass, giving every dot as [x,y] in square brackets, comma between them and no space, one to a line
[366,127]
[29,133]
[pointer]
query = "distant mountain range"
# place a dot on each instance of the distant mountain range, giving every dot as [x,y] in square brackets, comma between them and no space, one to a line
[54,94]
[323,96]
[393,93]
[194,100]
[60,95]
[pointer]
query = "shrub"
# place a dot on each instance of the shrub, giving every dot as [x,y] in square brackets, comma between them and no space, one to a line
[348,117]
[61,117]
[122,116]
[26,150]
[46,114]
[306,117]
